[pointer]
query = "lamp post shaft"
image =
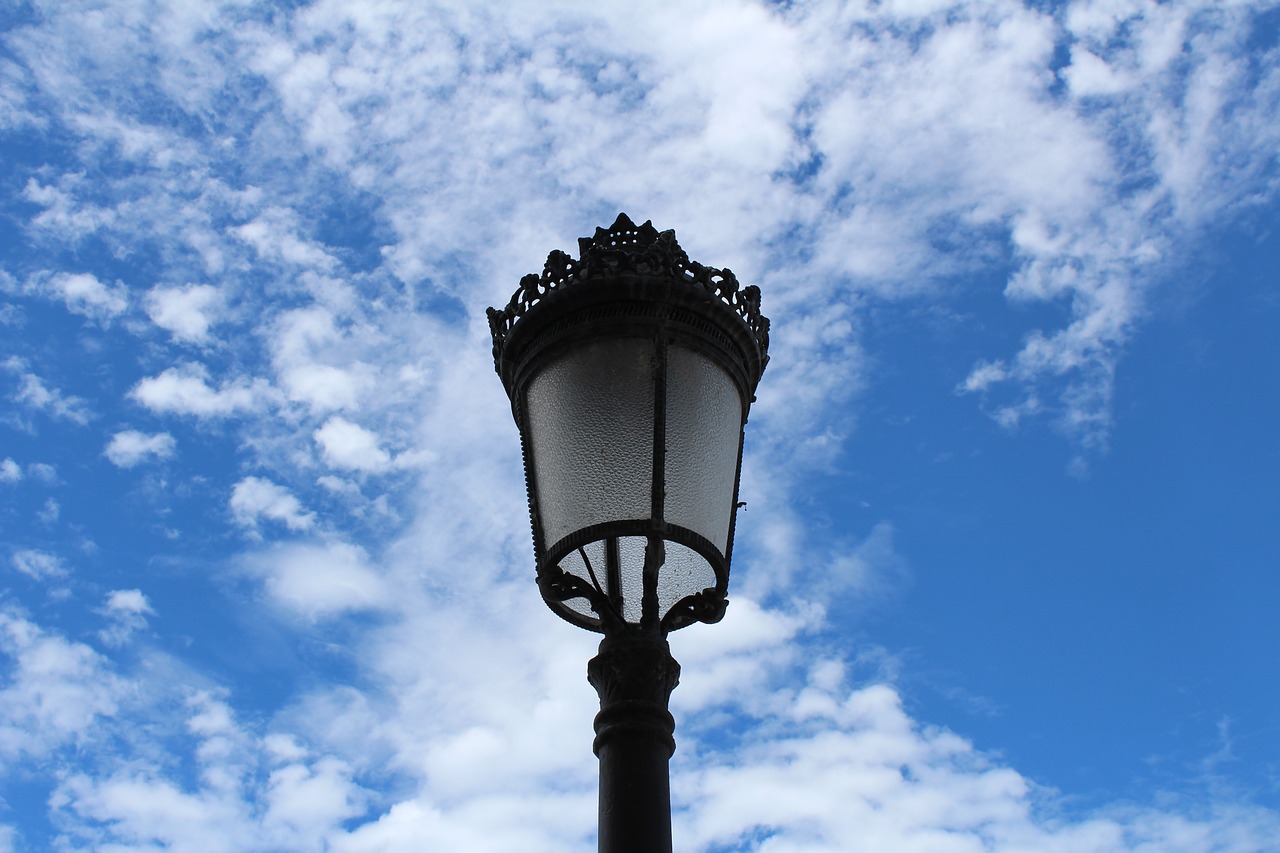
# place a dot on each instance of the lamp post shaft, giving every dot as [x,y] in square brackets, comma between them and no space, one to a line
[634,674]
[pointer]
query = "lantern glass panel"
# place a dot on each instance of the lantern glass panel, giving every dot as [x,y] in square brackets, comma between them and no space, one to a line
[573,563]
[684,573]
[704,430]
[590,422]
[631,552]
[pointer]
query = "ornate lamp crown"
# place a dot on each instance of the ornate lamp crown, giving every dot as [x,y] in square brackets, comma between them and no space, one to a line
[621,249]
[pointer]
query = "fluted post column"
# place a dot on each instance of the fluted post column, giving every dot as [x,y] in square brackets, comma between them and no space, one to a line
[634,674]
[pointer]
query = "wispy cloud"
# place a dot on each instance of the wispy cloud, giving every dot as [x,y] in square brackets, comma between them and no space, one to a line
[185,390]
[351,446]
[39,565]
[320,580]
[185,312]
[33,393]
[254,498]
[130,447]
[84,294]
[56,692]
[127,611]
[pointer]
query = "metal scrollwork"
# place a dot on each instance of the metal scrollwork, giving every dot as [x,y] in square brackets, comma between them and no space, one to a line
[706,606]
[629,248]
[559,585]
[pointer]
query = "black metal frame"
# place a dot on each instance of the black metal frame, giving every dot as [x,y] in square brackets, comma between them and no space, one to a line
[630,282]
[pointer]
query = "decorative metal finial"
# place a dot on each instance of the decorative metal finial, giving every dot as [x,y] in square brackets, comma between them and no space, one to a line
[625,248]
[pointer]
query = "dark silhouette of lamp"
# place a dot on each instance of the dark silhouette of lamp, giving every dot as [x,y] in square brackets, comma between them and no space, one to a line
[631,370]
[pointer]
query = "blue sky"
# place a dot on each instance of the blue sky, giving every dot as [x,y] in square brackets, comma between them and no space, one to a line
[1006,576]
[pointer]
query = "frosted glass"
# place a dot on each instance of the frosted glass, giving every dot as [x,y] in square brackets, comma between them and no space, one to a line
[572,563]
[684,573]
[582,606]
[704,426]
[595,553]
[631,554]
[590,418]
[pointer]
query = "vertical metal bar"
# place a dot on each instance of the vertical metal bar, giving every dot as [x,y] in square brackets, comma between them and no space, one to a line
[654,554]
[733,509]
[613,571]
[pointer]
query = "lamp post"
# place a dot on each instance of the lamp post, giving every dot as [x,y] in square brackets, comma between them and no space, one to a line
[631,370]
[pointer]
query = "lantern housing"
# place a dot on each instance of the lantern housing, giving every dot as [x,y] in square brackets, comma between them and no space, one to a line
[631,371]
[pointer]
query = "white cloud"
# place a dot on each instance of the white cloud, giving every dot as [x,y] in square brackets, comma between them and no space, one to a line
[237,802]
[849,770]
[128,601]
[35,394]
[185,312]
[157,813]
[130,447]
[983,376]
[322,386]
[860,778]
[185,390]
[64,213]
[1089,75]
[39,565]
[351,446]
[736,659]
[275,236]
[84,294]
[306,342]
[50,512]
[136,803]
[127,609]
[43,472]
[320,580]
[307,802]
[10,471]
[55,690]
[337,485]
[982,142]
[254,498]
[870,569]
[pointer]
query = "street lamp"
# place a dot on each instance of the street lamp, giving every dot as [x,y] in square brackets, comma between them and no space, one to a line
[631,371]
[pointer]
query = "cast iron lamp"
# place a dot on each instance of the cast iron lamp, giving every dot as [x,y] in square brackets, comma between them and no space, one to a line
[631,370]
